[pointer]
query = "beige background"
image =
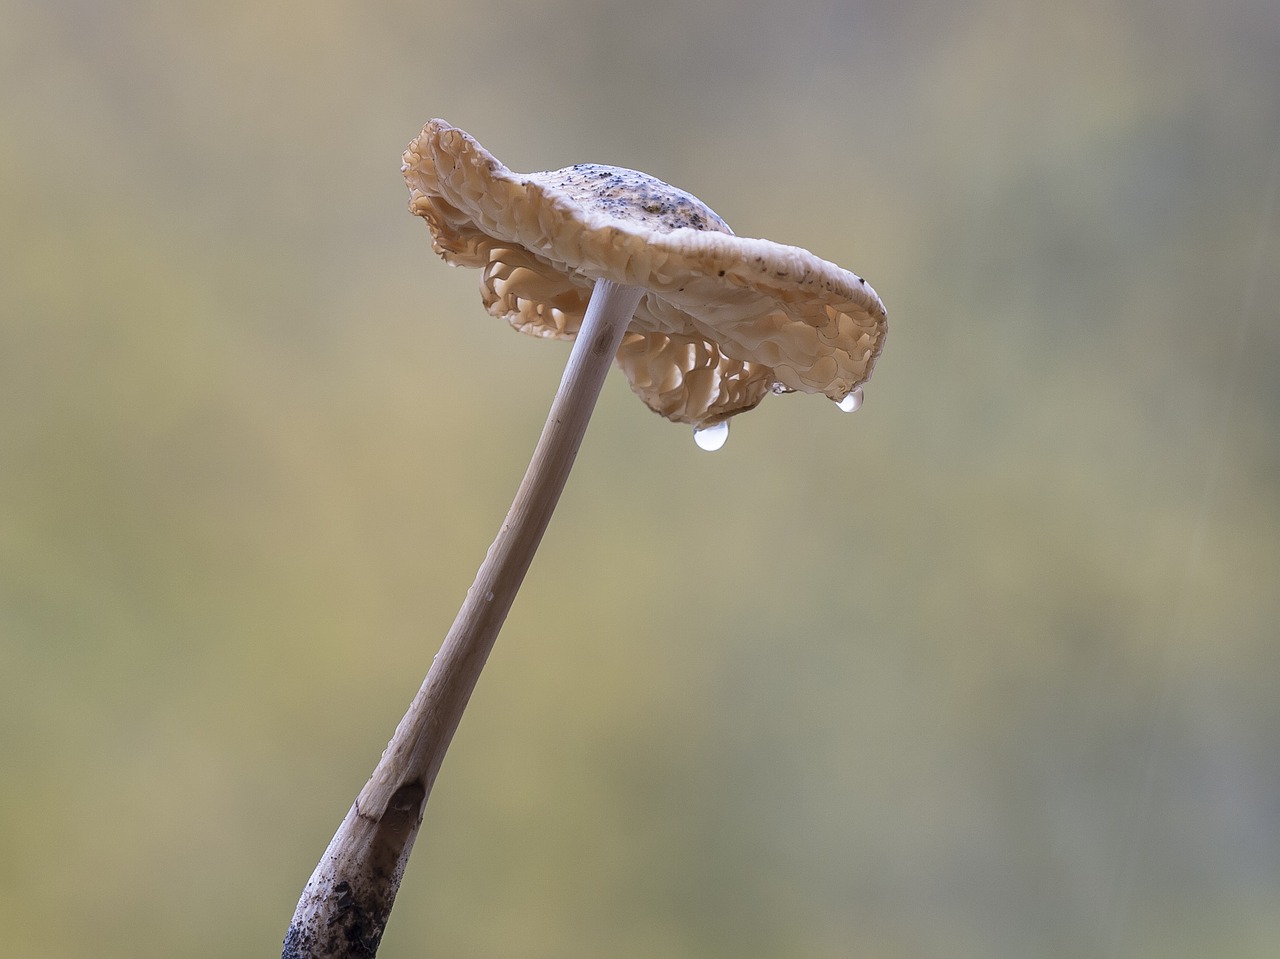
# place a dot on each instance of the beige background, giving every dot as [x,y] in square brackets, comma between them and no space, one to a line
[988,669]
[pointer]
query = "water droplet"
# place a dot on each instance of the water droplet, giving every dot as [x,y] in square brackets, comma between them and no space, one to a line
[851,401]
[711,438]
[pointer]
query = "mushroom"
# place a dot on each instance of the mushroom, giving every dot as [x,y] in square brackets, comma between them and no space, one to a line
[704,325]
[722,320]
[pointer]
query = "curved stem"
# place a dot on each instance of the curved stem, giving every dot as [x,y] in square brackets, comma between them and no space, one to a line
[346,903]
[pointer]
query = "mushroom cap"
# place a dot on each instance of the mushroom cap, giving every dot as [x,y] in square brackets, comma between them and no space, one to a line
[724,319]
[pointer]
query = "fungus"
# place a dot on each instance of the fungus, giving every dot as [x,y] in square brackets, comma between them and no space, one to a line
[704,325]
[722,320]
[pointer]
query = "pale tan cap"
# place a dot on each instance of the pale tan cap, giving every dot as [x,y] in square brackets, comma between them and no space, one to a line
[724,320]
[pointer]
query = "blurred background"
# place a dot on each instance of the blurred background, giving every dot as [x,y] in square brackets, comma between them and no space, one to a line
[988,669]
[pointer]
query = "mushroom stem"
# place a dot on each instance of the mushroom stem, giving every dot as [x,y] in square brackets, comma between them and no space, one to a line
[346,903]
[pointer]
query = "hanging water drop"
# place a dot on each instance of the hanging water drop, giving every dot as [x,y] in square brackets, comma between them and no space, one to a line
[711,438]
[851,400]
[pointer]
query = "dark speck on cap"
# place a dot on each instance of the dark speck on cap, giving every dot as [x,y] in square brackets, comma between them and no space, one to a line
[632,196]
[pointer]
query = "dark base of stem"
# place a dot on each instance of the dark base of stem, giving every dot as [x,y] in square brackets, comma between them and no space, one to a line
[352,929]
[346,905]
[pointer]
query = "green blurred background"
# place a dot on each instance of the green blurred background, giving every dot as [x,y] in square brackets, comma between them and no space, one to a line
[988,669]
